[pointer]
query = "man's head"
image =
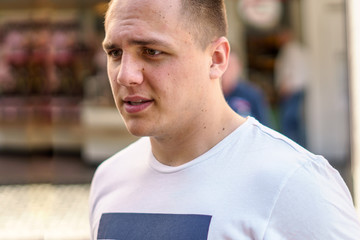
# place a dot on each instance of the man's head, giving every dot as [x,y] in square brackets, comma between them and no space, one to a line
[206,19]
[164,80]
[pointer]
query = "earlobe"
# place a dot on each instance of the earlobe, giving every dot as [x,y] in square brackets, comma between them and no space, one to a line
[220,57]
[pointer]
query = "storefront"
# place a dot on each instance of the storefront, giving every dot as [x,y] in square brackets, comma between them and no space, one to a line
[54,92]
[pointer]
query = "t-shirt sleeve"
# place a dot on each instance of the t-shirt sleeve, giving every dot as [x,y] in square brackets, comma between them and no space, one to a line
[314,203]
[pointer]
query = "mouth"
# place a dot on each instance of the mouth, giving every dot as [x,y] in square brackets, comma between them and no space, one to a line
[137,103]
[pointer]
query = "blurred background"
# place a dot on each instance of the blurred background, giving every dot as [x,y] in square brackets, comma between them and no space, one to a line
[58,121]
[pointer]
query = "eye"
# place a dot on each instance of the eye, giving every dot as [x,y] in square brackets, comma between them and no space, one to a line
[151,52]
[115,53]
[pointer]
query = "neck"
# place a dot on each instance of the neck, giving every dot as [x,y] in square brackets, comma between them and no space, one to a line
[199,136]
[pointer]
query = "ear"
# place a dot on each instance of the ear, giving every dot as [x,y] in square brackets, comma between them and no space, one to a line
[220,57]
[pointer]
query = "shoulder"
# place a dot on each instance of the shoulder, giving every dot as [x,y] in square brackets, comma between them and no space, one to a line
[127,158]
[314,203]
[311,200]
[110,173]
[119,166]
[262,139]
[275,158]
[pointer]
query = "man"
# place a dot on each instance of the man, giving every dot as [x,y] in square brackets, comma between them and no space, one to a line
[203,172]
[243,97]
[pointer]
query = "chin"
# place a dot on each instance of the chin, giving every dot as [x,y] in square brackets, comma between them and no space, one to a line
[137,130]
[138,133]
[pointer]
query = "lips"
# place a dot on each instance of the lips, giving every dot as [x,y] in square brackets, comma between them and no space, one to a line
[136,104]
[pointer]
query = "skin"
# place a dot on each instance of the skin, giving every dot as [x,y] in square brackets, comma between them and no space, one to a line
[173,82]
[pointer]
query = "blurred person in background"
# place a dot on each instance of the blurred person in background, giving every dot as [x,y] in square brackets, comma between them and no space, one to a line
[15,56]
[7,82]
[67,71]
[201,171]
[243,97]
[292,73]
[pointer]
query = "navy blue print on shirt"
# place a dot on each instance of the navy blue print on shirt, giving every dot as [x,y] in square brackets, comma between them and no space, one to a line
[139,226]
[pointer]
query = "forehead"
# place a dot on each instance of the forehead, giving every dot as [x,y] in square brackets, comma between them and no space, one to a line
[149,10]
[139,20]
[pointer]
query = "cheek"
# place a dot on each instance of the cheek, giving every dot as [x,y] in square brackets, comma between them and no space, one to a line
[176,81]
[112,77]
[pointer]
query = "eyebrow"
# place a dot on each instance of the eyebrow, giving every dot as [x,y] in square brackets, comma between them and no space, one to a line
[108,46]
[146,42]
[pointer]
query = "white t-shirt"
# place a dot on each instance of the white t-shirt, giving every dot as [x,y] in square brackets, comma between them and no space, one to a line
[254,184]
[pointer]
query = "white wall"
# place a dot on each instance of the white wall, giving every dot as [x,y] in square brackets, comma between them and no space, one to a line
[327,105]
[353,7]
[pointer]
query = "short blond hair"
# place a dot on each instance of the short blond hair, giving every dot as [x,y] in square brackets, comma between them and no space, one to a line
[206,19]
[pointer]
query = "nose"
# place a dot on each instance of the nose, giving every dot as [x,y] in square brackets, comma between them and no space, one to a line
[130,72]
